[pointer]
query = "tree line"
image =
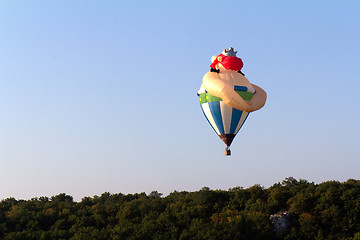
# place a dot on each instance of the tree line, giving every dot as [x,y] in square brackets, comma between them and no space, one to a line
[329,210]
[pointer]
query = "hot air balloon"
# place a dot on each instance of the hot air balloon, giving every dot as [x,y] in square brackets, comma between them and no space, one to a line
[227,97]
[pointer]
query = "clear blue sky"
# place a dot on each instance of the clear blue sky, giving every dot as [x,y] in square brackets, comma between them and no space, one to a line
[100,96]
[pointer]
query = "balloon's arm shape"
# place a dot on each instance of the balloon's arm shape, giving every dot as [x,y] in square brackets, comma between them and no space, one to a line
[259,98]
[220,88]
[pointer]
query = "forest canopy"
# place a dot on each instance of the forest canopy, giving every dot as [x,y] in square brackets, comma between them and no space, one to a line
[329,210]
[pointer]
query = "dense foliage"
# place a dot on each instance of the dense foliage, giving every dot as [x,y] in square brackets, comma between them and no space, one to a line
[330,210]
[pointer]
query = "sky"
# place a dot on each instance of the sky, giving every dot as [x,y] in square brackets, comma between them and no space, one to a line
[100,96]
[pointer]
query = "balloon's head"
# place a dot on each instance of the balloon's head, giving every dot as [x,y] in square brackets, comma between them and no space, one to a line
[227,60]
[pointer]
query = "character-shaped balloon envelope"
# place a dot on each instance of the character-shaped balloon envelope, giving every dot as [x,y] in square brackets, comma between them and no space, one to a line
[227,97]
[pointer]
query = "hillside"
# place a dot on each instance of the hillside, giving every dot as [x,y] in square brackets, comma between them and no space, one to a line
[329,210]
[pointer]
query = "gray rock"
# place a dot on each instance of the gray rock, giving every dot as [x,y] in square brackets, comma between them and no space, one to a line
[280,221]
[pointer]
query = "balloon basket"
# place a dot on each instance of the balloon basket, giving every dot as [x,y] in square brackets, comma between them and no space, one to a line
[227,151]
